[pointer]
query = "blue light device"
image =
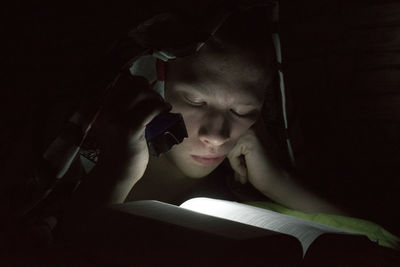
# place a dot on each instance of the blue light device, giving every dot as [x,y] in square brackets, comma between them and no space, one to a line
[165,131]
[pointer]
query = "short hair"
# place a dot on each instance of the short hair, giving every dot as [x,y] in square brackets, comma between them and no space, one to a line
[250,32]
[246,31]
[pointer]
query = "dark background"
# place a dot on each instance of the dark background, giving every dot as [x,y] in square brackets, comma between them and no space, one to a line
[341,64]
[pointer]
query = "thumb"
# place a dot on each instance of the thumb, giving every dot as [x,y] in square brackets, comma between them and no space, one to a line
[238,164]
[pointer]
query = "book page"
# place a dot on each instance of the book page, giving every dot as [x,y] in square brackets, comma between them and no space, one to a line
[305,231]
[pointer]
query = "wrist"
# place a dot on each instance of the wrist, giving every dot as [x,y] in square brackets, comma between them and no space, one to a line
[122,166]
[274,183]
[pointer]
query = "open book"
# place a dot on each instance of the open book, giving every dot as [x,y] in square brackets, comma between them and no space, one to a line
[305,231]
[212,232]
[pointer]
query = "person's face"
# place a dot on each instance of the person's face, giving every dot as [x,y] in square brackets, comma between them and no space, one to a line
[220,97]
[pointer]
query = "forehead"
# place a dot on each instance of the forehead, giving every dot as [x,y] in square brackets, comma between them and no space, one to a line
[210,72]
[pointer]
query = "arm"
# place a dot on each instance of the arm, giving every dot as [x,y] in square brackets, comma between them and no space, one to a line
[251,163]
[124,154]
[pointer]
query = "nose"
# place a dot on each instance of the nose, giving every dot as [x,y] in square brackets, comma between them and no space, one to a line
[215,131]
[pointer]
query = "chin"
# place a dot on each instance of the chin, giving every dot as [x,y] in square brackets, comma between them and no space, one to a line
[194,171]
[189,168]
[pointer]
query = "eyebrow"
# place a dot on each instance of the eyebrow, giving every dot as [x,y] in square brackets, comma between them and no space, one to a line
[205,90]
[199,87]
[194,82]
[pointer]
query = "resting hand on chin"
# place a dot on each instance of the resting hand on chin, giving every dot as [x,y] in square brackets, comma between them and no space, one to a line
[251,163]
[254,163]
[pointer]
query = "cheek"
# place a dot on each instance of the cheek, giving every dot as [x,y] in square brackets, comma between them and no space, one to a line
[191,116]
[192,122]
[239,128]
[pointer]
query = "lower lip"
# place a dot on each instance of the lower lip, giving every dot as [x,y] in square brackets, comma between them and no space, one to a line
[207,161]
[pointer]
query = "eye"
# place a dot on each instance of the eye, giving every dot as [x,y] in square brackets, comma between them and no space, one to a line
[248,115]
[237,113]
[193,102]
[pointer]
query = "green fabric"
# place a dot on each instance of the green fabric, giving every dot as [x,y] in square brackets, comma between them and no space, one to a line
[372,230]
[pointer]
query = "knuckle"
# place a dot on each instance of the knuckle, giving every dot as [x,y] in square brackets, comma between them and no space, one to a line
[151,99]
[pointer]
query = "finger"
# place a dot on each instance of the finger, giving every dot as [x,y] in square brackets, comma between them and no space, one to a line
[239,178]
[236,176]
[236,162]
[127,92]
[126,85]
[130,93]
[242,179]
[164,107]
[143,113]
[144,95]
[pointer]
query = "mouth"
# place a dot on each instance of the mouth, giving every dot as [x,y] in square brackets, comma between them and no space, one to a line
[208,160]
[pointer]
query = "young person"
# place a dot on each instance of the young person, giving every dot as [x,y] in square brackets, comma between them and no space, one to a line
[220,91]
